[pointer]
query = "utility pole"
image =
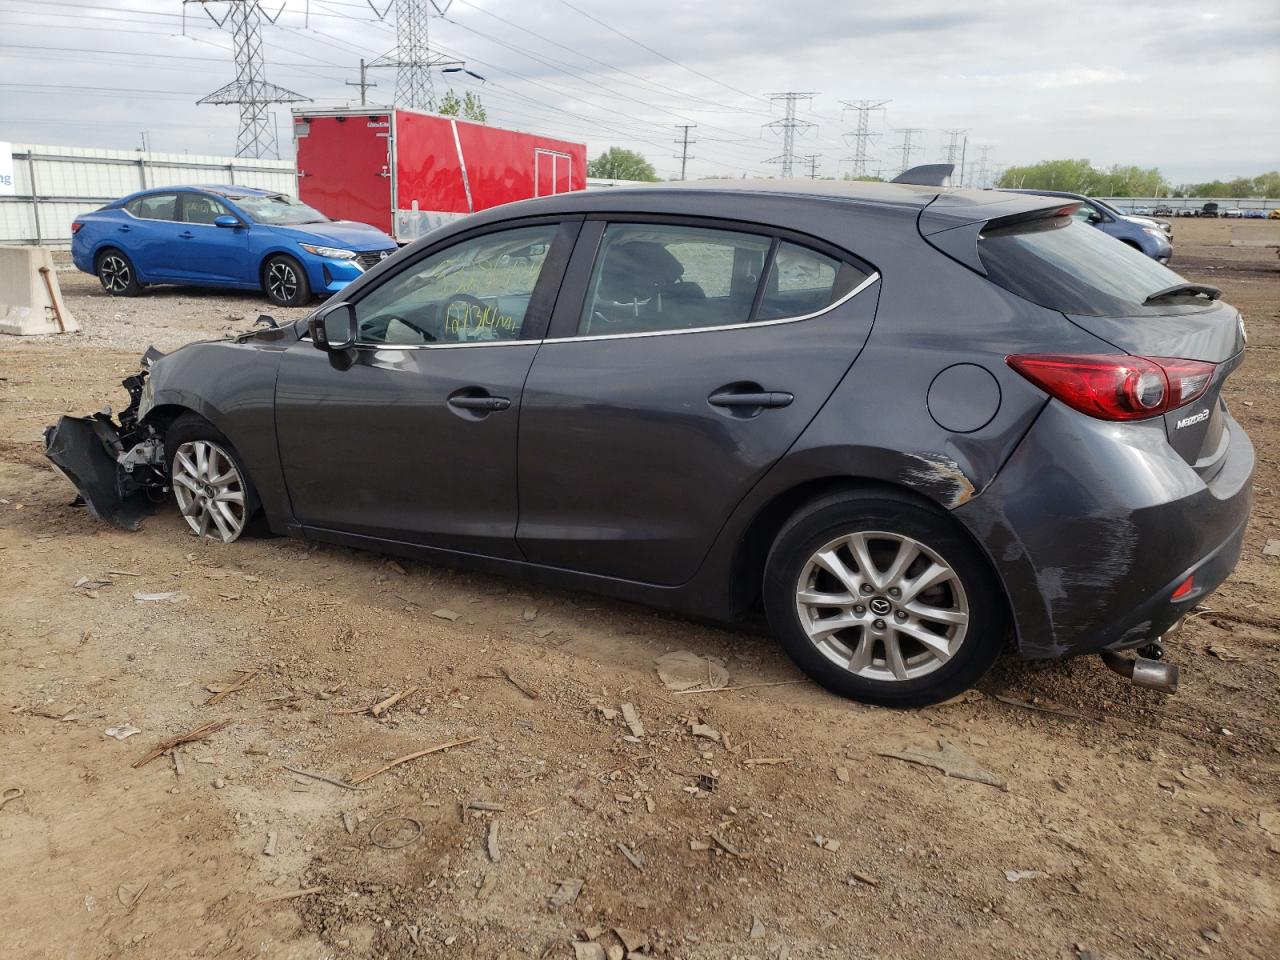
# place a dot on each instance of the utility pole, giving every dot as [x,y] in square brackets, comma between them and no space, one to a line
[364,83]
[861,136]
[250,89]
[812,160]
[906,146]
[412,58]
[683,143]
[787,127]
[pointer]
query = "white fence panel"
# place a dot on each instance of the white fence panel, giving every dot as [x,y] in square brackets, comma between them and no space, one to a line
[53,185]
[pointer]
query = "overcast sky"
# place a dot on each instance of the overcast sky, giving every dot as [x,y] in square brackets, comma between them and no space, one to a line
[1189,86]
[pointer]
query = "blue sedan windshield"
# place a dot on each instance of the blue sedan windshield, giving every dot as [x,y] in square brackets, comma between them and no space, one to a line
[279,210]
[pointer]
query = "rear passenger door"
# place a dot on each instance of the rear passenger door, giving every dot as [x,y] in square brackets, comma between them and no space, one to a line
[150,236]
[684,358]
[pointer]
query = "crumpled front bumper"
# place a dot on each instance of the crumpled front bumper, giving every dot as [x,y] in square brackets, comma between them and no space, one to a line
[81,449]
[116,467]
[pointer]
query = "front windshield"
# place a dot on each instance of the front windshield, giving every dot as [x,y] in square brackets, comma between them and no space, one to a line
[1064,264]
[279,210]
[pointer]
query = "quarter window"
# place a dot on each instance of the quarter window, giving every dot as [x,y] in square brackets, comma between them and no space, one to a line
[157,206]
[802,281]
[477,291]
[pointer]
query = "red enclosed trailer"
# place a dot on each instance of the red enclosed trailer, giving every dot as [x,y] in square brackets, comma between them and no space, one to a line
[407,172]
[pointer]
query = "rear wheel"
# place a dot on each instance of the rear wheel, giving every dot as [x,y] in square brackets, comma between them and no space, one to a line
[285,282]
[212,489]
[883,600]
[116,273]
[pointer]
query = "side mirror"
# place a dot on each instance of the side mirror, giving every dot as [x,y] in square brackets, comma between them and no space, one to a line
[1095,217]
[334,330]
[226,220]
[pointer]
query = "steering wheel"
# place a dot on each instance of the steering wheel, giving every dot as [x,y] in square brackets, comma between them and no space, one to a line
[459,324]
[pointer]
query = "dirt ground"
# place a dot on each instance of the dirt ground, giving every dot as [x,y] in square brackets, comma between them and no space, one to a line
[1150,825]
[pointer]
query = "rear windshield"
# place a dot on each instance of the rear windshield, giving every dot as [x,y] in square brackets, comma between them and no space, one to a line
[1068,265]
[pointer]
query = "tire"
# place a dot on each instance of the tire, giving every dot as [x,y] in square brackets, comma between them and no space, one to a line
[285,283]
[963,615]
[210,484]
[117,273]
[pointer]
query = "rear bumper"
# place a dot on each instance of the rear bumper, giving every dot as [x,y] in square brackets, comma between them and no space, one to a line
[1091,526]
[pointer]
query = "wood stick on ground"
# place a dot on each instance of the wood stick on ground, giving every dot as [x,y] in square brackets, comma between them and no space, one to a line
[322,778]
[361,778]
[245,677]
[292,894]
[531,694]
[379,708]
[202,732]
[741,686]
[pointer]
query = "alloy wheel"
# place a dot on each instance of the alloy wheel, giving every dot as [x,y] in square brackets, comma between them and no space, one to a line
[282,281]
[209,490]
[114,273]
[882,606]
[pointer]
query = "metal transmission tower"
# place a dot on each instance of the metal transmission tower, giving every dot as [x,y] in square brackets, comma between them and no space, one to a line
[787,127]
[953,143]
[984,155]
[861,136]
[812,160]
[250,89]
[683,143]
[906,146]
[412,58]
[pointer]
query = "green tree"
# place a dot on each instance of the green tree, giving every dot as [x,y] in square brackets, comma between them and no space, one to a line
[1262,186]
[619,164]
[1080,176]
[468,107]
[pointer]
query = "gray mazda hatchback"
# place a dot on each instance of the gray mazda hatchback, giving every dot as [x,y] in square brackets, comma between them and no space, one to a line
[913,424]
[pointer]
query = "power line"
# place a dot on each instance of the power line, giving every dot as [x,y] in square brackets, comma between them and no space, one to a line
[412,58]
[787,127]
[683,143]
[861,136]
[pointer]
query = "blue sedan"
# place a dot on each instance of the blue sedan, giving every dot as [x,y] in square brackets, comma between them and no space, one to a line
[235,237]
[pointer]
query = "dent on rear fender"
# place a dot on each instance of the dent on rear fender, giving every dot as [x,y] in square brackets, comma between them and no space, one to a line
[941,478]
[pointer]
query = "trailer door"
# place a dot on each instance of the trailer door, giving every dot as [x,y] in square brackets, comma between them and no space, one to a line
[343,166]
[553,172]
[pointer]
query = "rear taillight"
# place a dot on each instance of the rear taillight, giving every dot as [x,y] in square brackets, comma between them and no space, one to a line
[75,227]
[1116,386]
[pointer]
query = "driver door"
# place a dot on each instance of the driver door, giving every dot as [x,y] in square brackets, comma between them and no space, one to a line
[411,436]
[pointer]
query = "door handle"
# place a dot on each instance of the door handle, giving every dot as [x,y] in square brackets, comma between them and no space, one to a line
[480,403]
[186,235]
[124,228]
[755,398]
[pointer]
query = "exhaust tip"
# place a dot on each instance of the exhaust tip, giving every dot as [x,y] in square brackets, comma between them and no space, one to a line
[1151,674]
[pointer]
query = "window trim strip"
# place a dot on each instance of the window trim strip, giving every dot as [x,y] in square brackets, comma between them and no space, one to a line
[728,326]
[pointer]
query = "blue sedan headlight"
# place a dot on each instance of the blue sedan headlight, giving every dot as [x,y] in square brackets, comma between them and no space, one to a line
[329,253]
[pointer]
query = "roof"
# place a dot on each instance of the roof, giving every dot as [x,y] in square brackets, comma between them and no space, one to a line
[222,190]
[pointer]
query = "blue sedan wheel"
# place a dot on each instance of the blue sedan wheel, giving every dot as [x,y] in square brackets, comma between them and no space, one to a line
[285,282]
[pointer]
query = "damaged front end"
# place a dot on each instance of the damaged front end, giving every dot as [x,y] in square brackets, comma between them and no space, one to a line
[117,466]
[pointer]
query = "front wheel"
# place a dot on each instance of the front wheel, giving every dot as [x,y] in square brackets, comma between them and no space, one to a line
[285,282]
[213,491]
[883,600]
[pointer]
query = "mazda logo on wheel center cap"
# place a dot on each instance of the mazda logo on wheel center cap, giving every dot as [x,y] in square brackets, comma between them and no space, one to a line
[880,606]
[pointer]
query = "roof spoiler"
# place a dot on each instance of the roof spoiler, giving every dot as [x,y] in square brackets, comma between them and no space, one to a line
[927,175]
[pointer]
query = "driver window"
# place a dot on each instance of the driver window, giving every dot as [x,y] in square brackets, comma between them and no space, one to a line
[477,291]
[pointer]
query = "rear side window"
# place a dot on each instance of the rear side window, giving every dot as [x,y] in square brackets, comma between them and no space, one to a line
[159,206]
[1065,264]
[651,278]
